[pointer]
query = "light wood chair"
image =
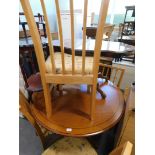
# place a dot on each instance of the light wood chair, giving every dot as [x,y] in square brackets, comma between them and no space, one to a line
[64,77]
[124,149]
[110,73]
[127,113]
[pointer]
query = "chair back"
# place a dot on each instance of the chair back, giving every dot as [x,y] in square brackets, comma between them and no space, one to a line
[64,77]
[124,149]
[113,74]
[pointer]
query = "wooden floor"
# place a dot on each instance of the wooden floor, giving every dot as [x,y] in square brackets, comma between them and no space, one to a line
[129,131]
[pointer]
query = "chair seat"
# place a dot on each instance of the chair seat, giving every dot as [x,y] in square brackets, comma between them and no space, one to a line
[70,146]
[68,64]
[34,83]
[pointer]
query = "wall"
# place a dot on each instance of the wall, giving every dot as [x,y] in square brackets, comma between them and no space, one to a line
[50,7]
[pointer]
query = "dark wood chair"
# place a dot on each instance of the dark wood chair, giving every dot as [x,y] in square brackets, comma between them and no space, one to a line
[46,137]
[30,72]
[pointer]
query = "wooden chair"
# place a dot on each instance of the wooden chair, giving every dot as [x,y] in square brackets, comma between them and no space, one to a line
[124,149]
[30,72]
[66,144]
[112,74]
[127,113]
[46,137]
[64,77]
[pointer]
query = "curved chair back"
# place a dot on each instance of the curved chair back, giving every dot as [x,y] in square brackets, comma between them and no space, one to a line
[64,77]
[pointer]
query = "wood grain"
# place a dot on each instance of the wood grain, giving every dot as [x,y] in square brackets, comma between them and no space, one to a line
[72,110]
[84,36]
[39,52]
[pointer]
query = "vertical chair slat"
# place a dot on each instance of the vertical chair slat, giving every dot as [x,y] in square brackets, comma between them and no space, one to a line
[107,71]
[103,69]
[60,34]
[84,36]
[115,75]
[49,36]
[39,52]
[98,44]
[72,35]
[120,79]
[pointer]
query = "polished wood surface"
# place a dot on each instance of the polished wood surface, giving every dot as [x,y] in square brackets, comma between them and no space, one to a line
[71,111]
[107,47]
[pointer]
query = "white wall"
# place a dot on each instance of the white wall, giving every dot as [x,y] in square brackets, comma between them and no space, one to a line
[50,7]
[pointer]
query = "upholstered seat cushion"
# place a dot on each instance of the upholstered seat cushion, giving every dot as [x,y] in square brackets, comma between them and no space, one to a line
[68,64]
[70,146]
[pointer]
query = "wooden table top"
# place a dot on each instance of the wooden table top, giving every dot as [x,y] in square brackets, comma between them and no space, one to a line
[107,46]
[71,111]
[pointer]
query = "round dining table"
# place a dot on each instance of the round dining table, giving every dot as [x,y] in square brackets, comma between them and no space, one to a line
[71,118]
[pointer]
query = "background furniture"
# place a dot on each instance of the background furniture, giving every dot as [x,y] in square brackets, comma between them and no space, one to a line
[39,22]
[91,31]
[30,71]
[127,31]
[66,22]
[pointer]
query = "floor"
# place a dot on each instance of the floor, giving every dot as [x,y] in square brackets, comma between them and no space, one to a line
[29,143]
[129,131]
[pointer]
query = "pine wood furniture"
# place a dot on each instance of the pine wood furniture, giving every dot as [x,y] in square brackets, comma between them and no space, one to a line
[64,78]
[74,112]
[124,149]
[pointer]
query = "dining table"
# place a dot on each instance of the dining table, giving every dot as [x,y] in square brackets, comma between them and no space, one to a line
[106,127]
[109,48]
[104,130]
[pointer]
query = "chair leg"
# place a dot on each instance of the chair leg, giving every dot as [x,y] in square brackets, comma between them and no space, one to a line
[30,96]
[59,88]
[88,88]
[101,92]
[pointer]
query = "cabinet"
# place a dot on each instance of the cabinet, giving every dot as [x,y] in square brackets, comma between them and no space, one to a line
[65,17]
[128,27]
